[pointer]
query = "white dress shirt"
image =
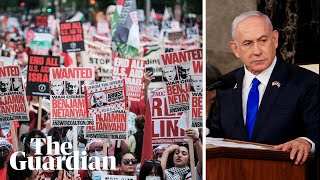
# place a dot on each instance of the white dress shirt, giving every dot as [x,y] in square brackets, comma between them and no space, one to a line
[263,77]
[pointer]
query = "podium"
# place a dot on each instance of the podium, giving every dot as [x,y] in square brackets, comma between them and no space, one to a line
[234,163]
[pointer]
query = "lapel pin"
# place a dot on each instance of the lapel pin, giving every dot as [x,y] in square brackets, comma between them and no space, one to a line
[276,83]
[235,86]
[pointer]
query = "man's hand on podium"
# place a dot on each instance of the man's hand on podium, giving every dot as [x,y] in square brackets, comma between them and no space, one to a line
[298,148]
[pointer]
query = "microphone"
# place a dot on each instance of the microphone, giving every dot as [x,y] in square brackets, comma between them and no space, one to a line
[224,82]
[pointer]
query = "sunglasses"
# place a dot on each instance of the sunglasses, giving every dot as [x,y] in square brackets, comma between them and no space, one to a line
[127,161]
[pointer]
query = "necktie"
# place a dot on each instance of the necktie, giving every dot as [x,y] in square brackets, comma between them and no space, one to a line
[252,106]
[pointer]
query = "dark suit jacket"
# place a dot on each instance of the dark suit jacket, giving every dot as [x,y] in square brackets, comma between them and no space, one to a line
[285,113]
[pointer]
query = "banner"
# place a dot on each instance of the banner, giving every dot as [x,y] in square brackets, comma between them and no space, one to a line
[41,20]
[196,91]
[71,36]
[38,74]
[175,69]
[164,124]
[97,56]
[106,102]
[181,45]
[68,103]
[132,70]
[13,102]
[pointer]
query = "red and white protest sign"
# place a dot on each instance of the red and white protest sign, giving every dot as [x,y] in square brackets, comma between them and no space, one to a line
[110,125]
[196,90]
[176,69]
[132,70]
[152,52]
[13,102]
[98,55]
[67,96]
[106,102]
[165,129]
[105,97]
[174,46]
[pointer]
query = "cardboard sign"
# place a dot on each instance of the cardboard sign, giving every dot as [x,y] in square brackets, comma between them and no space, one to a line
[38,74]
[196,101]
[97,56]
[110,125]
[13,102]
[132,70]
[71,36]
[105,97]
[181,45]
[41,20]
[165,129]
[152,52]
[176,69]
[68,103]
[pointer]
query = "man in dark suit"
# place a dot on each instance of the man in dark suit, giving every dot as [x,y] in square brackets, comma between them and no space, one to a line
[272,102]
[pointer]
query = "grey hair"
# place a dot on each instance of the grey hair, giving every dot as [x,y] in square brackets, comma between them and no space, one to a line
[246,15]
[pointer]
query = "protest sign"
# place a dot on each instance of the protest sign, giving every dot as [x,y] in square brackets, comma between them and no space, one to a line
[38,74]
[117,177]
[164,124]
[109,125]
[132,70]
[41,20]
[106,102]
[98,56]
[71,36]
[174,46]
[152,52]
[196,90]
[175,69]
[13,102]
[105,97]
[67,96]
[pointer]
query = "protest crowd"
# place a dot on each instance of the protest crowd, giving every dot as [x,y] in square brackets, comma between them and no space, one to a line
[112,86]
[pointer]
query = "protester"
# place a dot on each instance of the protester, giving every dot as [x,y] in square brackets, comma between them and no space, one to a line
[151,170]
[25,174]
[52,174]
[5,150]
[175,159]
[127,163]
[136,140]
[30,147]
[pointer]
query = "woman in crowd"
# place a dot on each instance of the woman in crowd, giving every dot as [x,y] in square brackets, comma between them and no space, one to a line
[127,163]
[151,170]
[30,147]
[175,159]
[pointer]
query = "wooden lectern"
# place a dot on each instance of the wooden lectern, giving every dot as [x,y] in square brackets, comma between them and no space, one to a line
[229,163]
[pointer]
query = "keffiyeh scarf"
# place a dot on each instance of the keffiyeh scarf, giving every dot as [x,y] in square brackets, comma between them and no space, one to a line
[176,173]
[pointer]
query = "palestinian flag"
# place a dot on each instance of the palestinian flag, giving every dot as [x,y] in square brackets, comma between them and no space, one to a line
[125,28]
